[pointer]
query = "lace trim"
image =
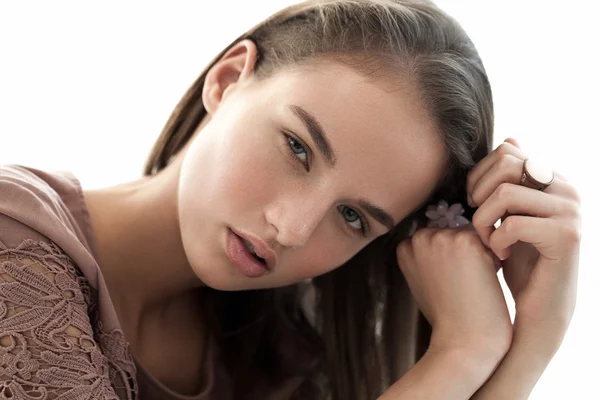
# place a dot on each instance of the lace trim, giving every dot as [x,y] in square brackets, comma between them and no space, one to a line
[52,344]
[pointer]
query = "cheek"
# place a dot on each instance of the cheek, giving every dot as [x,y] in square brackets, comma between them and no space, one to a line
[247,176]
[231,176]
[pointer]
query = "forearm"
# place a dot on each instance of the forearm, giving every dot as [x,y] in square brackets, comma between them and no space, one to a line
[440,376]
[520,369]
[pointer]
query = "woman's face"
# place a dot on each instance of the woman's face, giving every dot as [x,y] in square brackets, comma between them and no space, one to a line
[256,168]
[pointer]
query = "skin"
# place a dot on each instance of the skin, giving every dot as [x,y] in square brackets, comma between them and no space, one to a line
[235,172]
[160,238]
[538,242]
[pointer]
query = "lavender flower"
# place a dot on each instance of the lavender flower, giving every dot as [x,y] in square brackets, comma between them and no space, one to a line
[442,216]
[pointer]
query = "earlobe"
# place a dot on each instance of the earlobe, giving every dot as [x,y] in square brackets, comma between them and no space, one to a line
[236,65]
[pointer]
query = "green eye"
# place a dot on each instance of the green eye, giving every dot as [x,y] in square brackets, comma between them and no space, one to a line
[297,148]
[353,218]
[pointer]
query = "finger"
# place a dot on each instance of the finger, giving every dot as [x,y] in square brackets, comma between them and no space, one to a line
[488,161]
[471,228]
[513,141]
[561,187]
[508,169]
[550,236]
[515,199]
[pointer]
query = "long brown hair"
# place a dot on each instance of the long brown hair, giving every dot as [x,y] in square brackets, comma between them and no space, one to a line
[368,330]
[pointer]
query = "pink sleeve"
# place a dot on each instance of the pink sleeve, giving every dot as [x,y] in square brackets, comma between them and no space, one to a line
[48,349]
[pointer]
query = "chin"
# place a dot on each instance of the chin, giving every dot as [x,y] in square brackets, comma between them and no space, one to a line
[233,282]
[223,277]
[217,280]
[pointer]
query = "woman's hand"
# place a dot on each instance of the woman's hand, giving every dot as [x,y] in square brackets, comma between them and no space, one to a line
[452,276]
[538,239]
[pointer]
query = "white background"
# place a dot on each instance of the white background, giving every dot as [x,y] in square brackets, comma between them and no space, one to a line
[87,87]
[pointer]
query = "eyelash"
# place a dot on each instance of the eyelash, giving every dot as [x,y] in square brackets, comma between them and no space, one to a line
[363,230]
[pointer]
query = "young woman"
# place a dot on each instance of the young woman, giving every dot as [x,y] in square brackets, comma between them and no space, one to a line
[299,233]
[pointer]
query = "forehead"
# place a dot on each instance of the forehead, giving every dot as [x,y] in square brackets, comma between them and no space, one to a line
[387,145]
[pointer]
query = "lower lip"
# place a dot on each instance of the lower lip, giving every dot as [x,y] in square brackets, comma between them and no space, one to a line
[240,256]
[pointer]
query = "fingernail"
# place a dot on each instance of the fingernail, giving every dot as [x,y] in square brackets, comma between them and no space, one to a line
[470,201]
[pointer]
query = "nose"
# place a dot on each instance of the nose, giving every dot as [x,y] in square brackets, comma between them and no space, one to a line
[295,218]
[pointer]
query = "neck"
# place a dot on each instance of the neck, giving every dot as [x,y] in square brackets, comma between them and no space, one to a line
[139,249]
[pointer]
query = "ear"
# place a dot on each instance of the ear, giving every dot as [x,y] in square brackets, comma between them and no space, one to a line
[236,65]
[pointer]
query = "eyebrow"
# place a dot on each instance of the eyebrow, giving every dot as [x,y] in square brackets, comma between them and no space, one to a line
[378,214]
[316,132]
[318,135]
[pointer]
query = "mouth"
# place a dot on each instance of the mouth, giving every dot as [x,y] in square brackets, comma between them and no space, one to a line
[257,248]
[252,251]
[243,257]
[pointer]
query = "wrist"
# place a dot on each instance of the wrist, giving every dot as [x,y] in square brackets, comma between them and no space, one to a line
[486,352]
[449,374]
[473,362]
[544,339]
[468,366]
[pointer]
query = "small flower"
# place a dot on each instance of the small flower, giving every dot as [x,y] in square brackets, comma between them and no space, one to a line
[442,216]
[21,364]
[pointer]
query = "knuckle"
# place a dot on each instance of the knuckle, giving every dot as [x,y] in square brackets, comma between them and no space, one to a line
[505,162]
[504,148]
[574,194]
[510,224]
[420,235]
[421,239]
[441,238]
[503,191]
[571,233]
[465,238]
[571,209]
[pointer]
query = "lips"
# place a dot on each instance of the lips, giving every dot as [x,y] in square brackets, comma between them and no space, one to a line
[261,248]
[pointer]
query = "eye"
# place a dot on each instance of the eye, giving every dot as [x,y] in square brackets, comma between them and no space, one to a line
[354,220]
[297,149]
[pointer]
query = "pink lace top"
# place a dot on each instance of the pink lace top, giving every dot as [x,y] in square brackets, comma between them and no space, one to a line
[60,337]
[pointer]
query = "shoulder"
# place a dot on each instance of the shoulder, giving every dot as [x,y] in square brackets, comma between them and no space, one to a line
[31,200]
[36,204]
[35,272]
[29,208]
[29,191]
